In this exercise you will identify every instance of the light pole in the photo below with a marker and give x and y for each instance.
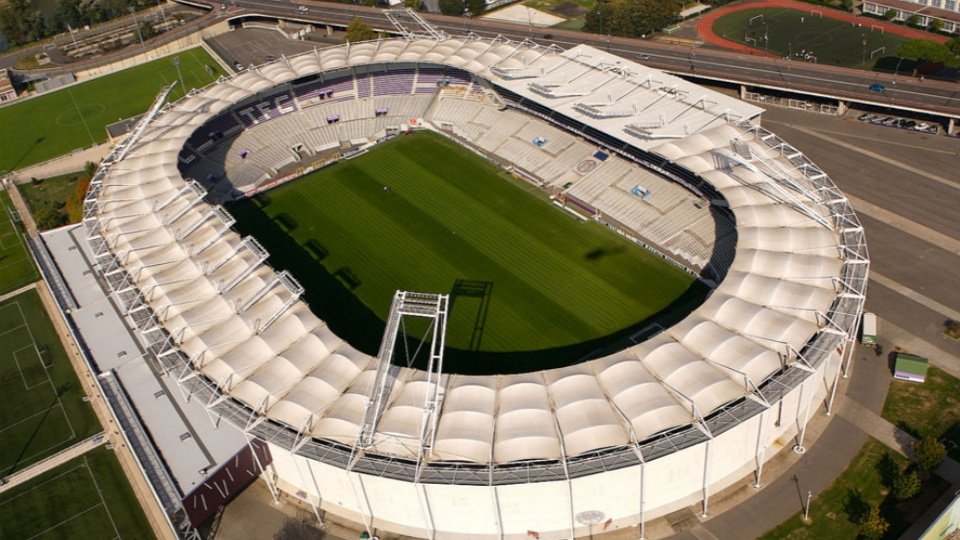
(162, 14)
(136, 24)
(176, 63)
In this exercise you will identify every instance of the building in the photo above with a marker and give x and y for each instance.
(7, 91)
(945, 11)
(910, 367)
(618, 440)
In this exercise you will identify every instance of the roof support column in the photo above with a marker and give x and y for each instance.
(833, 387)
(803, 414)
(316, 487)
(363, 503)
(268, 474)
(425, 510)
(496, 499)
(761, 448)
(706, 478)
(643, 525)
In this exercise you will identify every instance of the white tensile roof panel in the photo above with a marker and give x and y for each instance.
(264, 347)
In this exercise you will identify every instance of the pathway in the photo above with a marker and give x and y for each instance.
(11, 294)
(52, 462)
(69, 163)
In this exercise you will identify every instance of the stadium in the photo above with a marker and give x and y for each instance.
(665, 422)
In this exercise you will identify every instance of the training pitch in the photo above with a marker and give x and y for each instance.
(16, 266)
(788, 32)
(88, 497)
(53, 124)
(531, 286)
(43, 411)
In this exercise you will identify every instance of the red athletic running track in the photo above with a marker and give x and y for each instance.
(705, 25)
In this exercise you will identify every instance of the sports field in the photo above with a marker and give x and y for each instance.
(53, 124)
(531, 287)
(16, 266)
(788, 32)
(88, 497)
(43, 411)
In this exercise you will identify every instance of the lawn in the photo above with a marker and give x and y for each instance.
(47, 198)
(16, 266)
(790, 31)
(930, 408)
(865, 483)
(87, 497)
(531, 287)
(43, 409)
(53, 124)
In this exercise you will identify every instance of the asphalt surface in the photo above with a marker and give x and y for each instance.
(931, 96)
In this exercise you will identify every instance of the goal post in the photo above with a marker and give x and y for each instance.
(755, 19)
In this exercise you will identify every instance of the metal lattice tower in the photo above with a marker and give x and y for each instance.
(411, 25)
(407, 304)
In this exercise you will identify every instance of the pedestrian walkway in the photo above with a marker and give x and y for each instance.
(69, 163)
(13, 293)
(52, 462)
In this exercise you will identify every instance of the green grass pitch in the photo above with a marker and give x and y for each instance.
(56, 123)
(832, 41)
(88, 497)
(43, 411)
(16, 266)
(531, 287)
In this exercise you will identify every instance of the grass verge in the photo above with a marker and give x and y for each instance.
(16, 266)
(866, 482)
(930, 408)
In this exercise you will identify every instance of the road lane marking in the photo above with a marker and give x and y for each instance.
(872, 155)
(926, 301)
(906, 225)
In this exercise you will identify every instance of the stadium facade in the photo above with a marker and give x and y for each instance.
(610, 442)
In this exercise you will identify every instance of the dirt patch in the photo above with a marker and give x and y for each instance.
(568, 10)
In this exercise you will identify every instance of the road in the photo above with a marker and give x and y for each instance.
(932, 97)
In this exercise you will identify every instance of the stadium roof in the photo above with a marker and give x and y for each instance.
(242, 326)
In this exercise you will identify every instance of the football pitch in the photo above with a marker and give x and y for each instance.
(43, 411)
(16, 266)
(87, 497)
(787, 32)
(531, 287)
(53, 124)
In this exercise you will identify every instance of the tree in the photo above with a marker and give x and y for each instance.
(906, 485)
(476, 7)
(369, 3)
(930, 51)
(928, 453)
(74, 206)
(913, 19)
(358, 30)
(890, 14)
(872, 524)
(451, 7)
(89, 169)
(412, 4)
(631, 18)
(935, 25)
(48, 217)
(954, 45)
(847, 5)
(146, 30)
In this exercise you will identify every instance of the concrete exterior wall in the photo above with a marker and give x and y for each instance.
(464, 512)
